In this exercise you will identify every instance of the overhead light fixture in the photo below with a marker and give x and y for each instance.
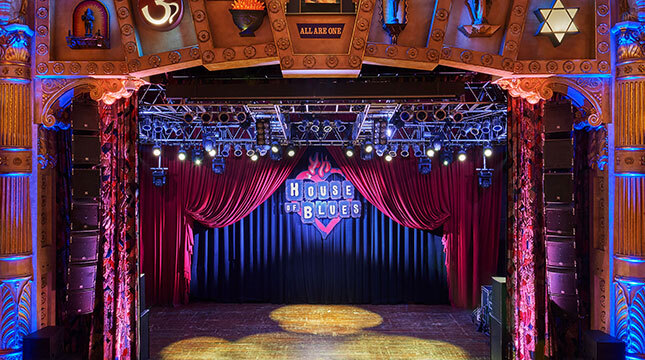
(405, 116)
(446, 157)
(218, 165)
(188, 118)
(226, 149)
(327, 126)
(181, 154)
(368, 147)
(237, 150)
(421, 115)
(255, 157)
(206, 118)
(425, 166)
(212, 152)
(440, 115)
(436, 145)
(275, 147)
(198, 157)
(156, 150)
(223, 117)
(461, 155)
(488, 151)
(159, 176)
(250, 151)
(418, 152)
(349, 151)
(405, 150)
(485, 177)
(388, 157)
(291, 151)
(429, 152)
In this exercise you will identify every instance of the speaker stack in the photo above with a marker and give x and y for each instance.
(559, 210)
(84, 217)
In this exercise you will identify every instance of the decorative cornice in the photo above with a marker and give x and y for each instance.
(531, 89)
(105, 90)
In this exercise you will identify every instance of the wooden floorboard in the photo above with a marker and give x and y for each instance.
(269, 331)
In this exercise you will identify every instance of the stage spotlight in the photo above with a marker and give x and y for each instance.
(349, 151)
(223, 117)
(241, 116)
(476, 127)
(188, 118)
(327, 126)
(461, 155)
(429, 152)
(255, 157)
(418, 152)
(393, 150)
(388, 157)
(425, 166)
(246, 123)
(291, 151)
(181, 154)
(218, 165)
(275, 156)
(250, 151)
(440, 114)
(485, 177)
(315, 125)
(262, 151)
(226, 149)
(446, 157)
(212, 152)
(405, 116)
(421, 115)
(158, 176)
(497, 125)
(275, 147)
(405, 150)
(365, 154)
(156, 150)
(457, 117)
(488, 151)
(436, 145)
(198, 157)
(208, 143)
(380, 150)
(206, 118)
(389, 132)
(368, 147)
(485, 128)
(237, 150)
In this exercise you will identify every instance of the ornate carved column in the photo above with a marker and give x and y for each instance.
(629, 182)
(15, 170)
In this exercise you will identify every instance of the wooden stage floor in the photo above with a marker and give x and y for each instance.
(268, 331)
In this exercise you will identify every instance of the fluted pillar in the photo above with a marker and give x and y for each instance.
(629, 189)
(16, 272)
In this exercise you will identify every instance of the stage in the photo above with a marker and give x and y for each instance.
(269, 331)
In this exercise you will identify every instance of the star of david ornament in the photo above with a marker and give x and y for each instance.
(557, 21)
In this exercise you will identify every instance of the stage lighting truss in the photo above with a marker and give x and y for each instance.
(478, 119)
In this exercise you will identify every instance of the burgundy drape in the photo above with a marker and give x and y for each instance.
(448, 196)
(196, 193)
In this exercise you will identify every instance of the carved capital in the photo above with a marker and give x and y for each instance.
(15, 43)
(531, 89)
(630, 38)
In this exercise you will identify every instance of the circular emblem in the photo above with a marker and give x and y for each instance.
(331, 61)
(355, 61)
(391, 51)
(287, 62)
(92, 68)
(432, 55)
(249, 51)
(412, 52)
(466, 56)
(552, 66)
(309, 61)
(108, 68)
(569, 66)
(161, 15)
(487, 59)
(58, 68)
(74, 68)
(534, 66)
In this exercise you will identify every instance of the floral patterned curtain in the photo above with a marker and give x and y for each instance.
(527, 298)
(114, 330)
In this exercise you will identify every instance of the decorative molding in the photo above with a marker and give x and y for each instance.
(630, 314)
(15, 314)
(594, 91)
(630, 161)
(15, 162)
(105, 90)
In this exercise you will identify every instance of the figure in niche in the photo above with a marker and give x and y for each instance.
(478, 10)
(90, 26)
(88, 20)
(394, 17)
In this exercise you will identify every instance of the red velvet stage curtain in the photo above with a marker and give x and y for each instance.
(448, 196)
(196, 193)
(526, 265)
(114, 328)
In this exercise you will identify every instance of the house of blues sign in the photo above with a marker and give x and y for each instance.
(321, 196)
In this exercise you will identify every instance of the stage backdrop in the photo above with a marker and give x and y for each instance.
(317, 240)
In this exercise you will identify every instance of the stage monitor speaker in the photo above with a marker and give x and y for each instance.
(558, 154)
(560, 253)
(84, 216)
(83, 247)
(567, 303)
(144, 332)
(142, 291)
(86, 183)
(81, 276)
(86, 150)
(560, 220)
(558, 188)
(558, 117)
(85, 116)
(601, 346)
(44, 344)
(80, 301)
(561, 281)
